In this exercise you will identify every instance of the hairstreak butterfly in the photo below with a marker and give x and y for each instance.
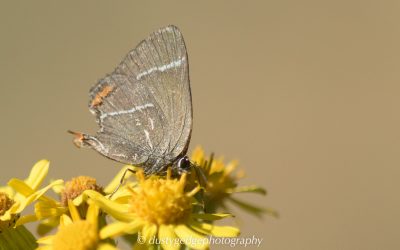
(144, 107)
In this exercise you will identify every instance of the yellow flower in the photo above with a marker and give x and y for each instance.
(222, 182)
(24, 192)
(12, 237)
(50, 210)
(160, 211)
(74, 233)
(14, 199)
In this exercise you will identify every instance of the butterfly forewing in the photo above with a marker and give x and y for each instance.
(144, 107)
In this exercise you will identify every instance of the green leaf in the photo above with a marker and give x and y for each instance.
(184, 247)
(249, 189)
(130, 238)
(17, 238)
(255, 210)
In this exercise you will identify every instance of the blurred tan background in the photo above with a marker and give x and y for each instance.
(304, 93)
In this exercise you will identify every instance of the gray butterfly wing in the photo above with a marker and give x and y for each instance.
(144, 108)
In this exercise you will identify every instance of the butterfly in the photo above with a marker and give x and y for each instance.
(144, 107)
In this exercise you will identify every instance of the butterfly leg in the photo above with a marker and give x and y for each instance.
(121, 181)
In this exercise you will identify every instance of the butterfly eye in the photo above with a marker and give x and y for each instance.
(183, 164)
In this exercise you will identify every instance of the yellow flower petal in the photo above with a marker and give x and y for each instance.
(38, 173)
(73, 211)
(148, 232)
(119, 228)
(40, 193)
(22, 188)
(45, 209)
(117, 179)
(197, 155)
(105, 246)
(58, 189)
(26, 219)
(7, 190)
(168, 238)
(45, 248)
(230, 167)
(116, 210)
(17, 184)
(218, 231)
(211, 216)
(65, 220)
(92, 214)
(79, 200)
(48, 240)
(191, 238)
(123, 195)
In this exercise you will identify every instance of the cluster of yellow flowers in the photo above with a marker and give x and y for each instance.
(156, 212)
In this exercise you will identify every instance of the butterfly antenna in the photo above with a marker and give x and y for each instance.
(201, 177)
(202, 180)
(208, 163)
(121, 181)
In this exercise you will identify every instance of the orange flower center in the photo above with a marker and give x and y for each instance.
(76, 186)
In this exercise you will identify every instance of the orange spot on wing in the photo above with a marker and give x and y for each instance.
(98, 99)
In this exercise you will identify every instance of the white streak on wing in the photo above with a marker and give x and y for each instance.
(99, 144)
(129, 111)
(148, 138)
(162, 68)
(169, 29)
(151, 123)
(120, 155)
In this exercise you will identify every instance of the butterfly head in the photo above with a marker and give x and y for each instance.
(183, 165)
